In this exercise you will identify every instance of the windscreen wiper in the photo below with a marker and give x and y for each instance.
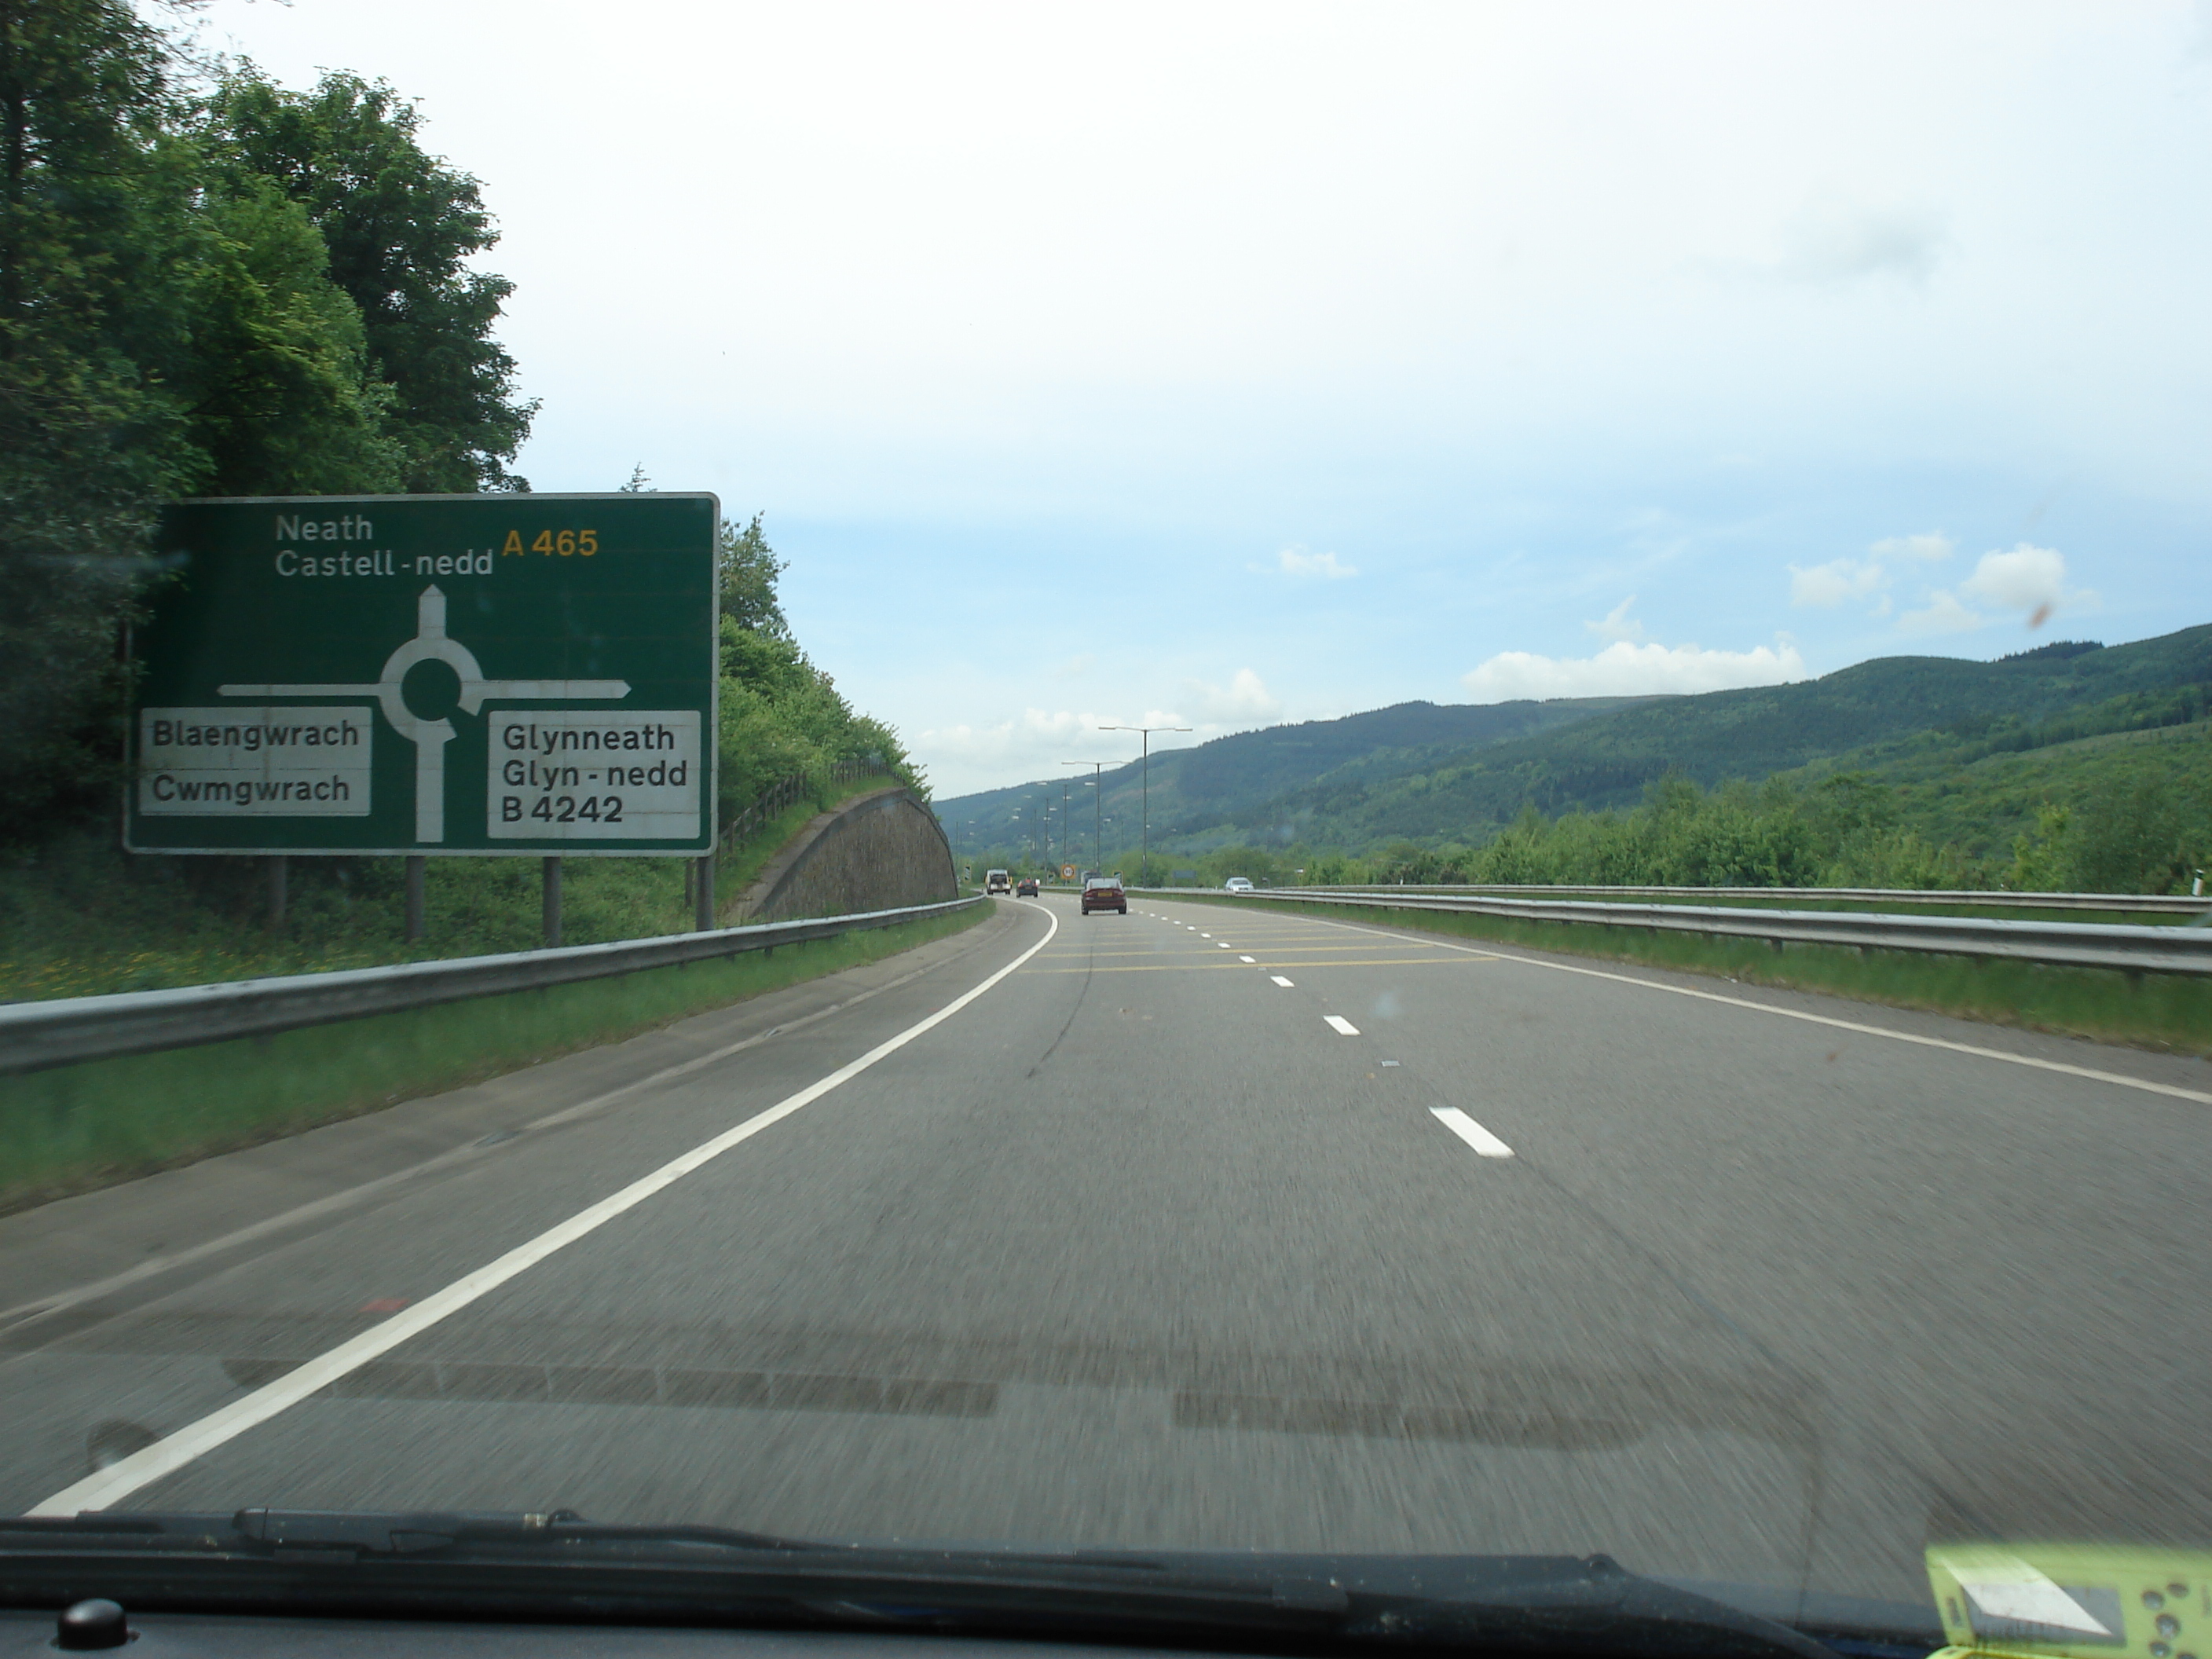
(555, 1565)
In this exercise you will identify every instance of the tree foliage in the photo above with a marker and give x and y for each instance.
(781, 714)
(400, 226)
(91, 195)
(206, 286)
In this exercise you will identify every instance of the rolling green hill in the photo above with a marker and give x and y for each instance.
(1916, 713)
(1221, 782)
(1964, 754)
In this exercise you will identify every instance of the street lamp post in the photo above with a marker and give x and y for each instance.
(1144, 823)
(1095, 773)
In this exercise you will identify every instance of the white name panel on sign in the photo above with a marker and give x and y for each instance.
(594, 775)
(266, 763)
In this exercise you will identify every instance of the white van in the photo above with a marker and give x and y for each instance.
(997, 881)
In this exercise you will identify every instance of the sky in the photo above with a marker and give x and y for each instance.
(1219, 365)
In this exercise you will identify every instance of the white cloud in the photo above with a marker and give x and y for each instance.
(1295, 561)
(1247, 702)
(1931, 545)
(2029, 581)
(1623, 669)
(2029, 578)
(960, 756)
(1618, 624)
(1834, 239)
(1942, 615)
(1837, 582)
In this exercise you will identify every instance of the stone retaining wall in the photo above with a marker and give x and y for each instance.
(874, 852)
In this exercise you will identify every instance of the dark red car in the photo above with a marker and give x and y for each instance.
(1104, 893)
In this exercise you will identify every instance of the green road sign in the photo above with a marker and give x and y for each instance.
(430, 674)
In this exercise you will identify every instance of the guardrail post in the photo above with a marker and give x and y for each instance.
(279, 874)
(418, 871)
(548, 907)
(703, 880)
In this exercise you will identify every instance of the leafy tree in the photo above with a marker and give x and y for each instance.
(400, 225)
(749, 569)
(275, 381)
(90, 197)
(2137, 839)
(780, 714)
(256, 292)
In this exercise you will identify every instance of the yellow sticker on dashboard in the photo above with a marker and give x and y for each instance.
(2094, 1601)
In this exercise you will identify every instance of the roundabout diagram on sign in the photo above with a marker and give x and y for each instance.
(431, 643)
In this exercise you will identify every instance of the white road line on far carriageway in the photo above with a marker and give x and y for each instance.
(188, 1445)
(2120, 1079)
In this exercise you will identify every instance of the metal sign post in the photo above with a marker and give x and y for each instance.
(431, 676)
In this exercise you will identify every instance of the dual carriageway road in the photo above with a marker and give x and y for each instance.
(1208, 1227)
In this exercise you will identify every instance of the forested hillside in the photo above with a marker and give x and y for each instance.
(1223, 781)
(2069, 765)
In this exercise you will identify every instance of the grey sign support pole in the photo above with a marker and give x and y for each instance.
(703, 878)
(549, 906)
(279, 874)
(417, 872)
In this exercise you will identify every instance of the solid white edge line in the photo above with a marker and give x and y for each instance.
(39, 1307)
(1979, 1052)
(1340, 1025)
(1486, 1143)
(165, 1456)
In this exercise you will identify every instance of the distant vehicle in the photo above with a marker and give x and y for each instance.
(997, 881)
(1026, 887)
(1237, 884)
(1104, 893)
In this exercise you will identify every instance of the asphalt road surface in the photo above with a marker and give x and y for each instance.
(1207, 1226)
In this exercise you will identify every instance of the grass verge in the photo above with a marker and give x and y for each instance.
(76, 1128)
(79, 916)
(2171, 1013)
(1786, 898)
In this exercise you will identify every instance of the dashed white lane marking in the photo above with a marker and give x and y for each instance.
(1247, 959)
(1280, 981)
(1486, 1143)
(1221, 945)
(1206, 936)
(195, 1440)
(2118, 1078)
(1340, 1025)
